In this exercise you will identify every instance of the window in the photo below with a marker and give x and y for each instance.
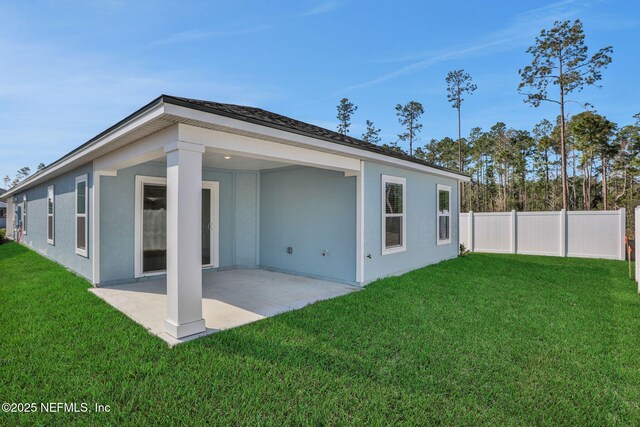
(394, 224)
(24, 214)
(50, 213)
(3, 213)
(81, 215)
(444, 214)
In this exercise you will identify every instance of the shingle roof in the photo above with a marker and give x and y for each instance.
(278, 121)
(247, 114)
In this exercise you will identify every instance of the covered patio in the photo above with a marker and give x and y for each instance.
(230, 298)
(205, 192)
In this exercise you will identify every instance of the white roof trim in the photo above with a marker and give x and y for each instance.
(125, 128)
(212, 118)
(307, 141)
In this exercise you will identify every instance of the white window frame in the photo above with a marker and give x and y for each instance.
(141, 180)
(24, 215)
(51, 196)
(440, 188)
(79, 251)
(393, 180)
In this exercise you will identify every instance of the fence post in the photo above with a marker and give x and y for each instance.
(623, 232)
(470, 231)
(514, 232)
(637, 247)
(563, 232)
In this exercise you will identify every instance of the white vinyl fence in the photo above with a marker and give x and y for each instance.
(637, 247)
(586, 234)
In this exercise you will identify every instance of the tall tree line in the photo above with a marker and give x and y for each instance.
(582, 162)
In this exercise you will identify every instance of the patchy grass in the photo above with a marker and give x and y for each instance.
(484, 339)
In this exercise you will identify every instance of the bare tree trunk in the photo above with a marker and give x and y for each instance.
(547, 198)
(584, 187)
(563, 147)
(459, 137)
(411, 137)
(505, 194)
(589, 170)
(573, 180)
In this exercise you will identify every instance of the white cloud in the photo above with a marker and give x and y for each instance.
(321, 8)
(193, 35)
(53, 98)
(520, 32)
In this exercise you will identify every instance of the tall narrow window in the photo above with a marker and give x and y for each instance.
(50, 215)
(81, 215)
(24, 214)
(394, 224)
(444, 214)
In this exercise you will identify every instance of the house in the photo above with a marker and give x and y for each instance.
(183, 185)
(3, 211)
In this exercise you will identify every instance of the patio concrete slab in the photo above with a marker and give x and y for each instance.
(230, 298)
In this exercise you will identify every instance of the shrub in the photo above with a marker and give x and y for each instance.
(463, 250)
(3, 235)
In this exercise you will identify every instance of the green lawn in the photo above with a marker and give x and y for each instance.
(485, 339)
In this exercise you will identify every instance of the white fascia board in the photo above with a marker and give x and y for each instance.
(146, 149)
(234, 144)
(77, 158)
(307, 141)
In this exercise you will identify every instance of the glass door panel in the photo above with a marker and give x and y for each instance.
(154, 228)
(206, 226)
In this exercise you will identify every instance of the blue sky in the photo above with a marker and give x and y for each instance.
(71, 69)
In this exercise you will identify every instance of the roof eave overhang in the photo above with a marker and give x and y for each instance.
(79, 155)
(169, 105)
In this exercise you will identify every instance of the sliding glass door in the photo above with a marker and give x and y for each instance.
(152, 224)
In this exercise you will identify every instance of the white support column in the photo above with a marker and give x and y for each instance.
(623, 232)
(471, 231)
(184, 239)
(95, 228)
(563, 233)
(95, 222)
(514, 232)
(637, 243)
(10, 217)
(360, 225)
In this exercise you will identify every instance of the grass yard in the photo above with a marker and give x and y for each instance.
(485, 339)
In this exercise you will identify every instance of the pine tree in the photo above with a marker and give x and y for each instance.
(345, 111)
(560, 58)
(409, 116)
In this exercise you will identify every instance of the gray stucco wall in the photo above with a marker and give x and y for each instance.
(246, 218)
(421, 222)
(238, 218)
(63, 250)
(310, 210)
(261, 214)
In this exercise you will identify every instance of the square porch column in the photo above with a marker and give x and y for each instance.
(184, 239)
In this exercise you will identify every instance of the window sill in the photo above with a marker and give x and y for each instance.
(444, 242)
(395, 250)
(82, 253)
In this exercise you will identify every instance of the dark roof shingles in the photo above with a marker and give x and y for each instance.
(270, 119)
